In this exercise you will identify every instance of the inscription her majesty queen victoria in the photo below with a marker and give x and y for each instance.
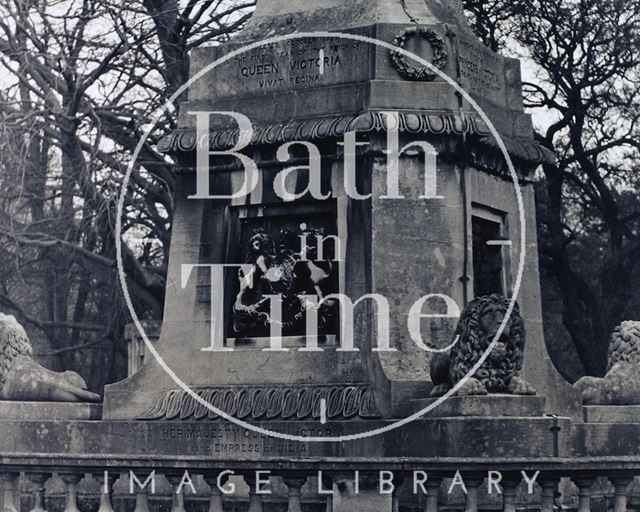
(294, 63)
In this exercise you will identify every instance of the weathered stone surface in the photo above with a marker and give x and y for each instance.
(606, 440)
(23, 378)
(495, 406)
(621, 384)
(401, 249)
(370, 11)
(49, 411)
(136, 443)
(293, 403)
(366, 500)
(611, 414)
(477, 330)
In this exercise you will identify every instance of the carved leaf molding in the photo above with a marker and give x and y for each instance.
(266, 403)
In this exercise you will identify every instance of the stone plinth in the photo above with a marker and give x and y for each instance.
(611, 413)
(201, 442)
(606, 440)
(404, 246)
(49, 411)
(483, 406)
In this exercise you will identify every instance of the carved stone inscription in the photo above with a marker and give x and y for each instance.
(481, 71)
(223, 439)
(294, 63)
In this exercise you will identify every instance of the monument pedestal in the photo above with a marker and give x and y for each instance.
(611, 413)
(49, 411)
(482, 406)
(429, 442)
(399, 245)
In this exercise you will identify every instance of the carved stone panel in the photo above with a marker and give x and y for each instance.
(292, 252)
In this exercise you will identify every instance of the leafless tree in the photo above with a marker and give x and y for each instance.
(588, 82)
(83, 78)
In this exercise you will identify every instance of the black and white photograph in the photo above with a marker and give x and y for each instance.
(319, 255)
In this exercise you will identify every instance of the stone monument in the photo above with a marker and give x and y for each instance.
(449, 236)
(314, 167)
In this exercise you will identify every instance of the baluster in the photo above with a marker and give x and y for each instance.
(584, 493)
(549, 490)
(71, 481)
(329, 503)
(255, 499)
(509, 485)
(7, 480)
(142, 500)
(294, 484)
(255, 502)
(433, 487)
(327, 483)
(215, 498)
(395, 498)
(16, 492)
(472, 485)
(178, 495)
(38, 479)
(106, 481)
(620, 484)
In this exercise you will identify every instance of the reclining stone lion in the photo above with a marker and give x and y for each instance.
(23, 379)
(477, 328)
(621, 384)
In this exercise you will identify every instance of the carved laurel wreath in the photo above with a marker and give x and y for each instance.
(419, 73)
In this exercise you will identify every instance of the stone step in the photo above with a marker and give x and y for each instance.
(481, 406)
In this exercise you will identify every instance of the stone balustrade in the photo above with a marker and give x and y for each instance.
(42, 486)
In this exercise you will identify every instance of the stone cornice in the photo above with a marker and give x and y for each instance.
(443, 124)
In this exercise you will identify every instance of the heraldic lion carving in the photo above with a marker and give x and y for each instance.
(23, 379)
(476, 330)
(621, 385)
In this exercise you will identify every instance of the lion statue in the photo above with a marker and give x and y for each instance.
(621, 384)
(476, 330)
(22, 379)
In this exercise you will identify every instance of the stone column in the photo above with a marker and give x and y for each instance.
(620, 483)
(584, 493)
(178, 493)
(215, 499)
(71, 481)
(38, 479)
(509, 486)
(360, 493)
(433, 488)
(294, 483)
(8, 495)
(472, 483)
(106, 481)
(549, 489)
(255, 499)
(142, 500)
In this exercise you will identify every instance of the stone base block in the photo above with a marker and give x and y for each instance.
(229, 444)
(49, 411)
(480, 406)
(611, 413)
